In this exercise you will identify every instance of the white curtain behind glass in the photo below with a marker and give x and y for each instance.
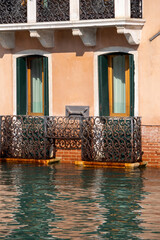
(119, 94)
(36, 85)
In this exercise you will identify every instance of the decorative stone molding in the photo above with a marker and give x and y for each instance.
(45, 37)
(7, 40)
(122, 8)
(133, 35)
(88, 35)
(31, 11)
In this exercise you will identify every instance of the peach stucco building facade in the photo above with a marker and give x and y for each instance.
(73, 66)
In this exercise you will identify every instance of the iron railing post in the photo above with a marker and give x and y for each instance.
(132, 139)
(81, 134)
(45, 136)
(54, 145)
(140, 141)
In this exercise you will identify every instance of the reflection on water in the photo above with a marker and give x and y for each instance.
(68, 202)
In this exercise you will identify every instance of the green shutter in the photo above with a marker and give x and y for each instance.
(21, 86)
(131, 67)
(103, 86)
(46, 89)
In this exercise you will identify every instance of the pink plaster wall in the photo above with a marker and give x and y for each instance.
(149, 65)
(73, 67)
(72, 81)
(6, 83)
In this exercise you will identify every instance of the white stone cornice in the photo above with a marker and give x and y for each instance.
(73, 24)
(45, 37)
(7, 40)
(133, 35)
(88, 35)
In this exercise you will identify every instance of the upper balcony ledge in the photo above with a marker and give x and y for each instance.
(82, 16)
(44, 31)
(98, 23)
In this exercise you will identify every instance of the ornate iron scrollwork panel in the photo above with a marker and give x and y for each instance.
(66, 131)
(13, 11)
(107, 139)
(52, 10)
(96, 9)
(136, 8)
(23, 137)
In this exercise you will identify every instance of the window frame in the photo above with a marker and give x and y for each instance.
(20, 82)
(110, 85)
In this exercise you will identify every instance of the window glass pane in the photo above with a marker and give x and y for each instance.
(36, 86)
(119, 93)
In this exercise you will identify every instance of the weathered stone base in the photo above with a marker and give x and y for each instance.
(111, 164)
(36, 161)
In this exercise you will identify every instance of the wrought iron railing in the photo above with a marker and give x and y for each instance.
(111, 139)
(99, 138)
(52, 11)
(23, 137)
(96, 9)
(136, 8)
(13, 11)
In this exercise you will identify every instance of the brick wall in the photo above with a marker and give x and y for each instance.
(151, 145)
(69, 155)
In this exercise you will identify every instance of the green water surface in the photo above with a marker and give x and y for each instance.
(64, 201)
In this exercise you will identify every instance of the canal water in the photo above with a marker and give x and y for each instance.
(64, 201)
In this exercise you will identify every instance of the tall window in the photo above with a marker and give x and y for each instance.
(116, 85)
(118, 80)
(32, 86)
(35, 76)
